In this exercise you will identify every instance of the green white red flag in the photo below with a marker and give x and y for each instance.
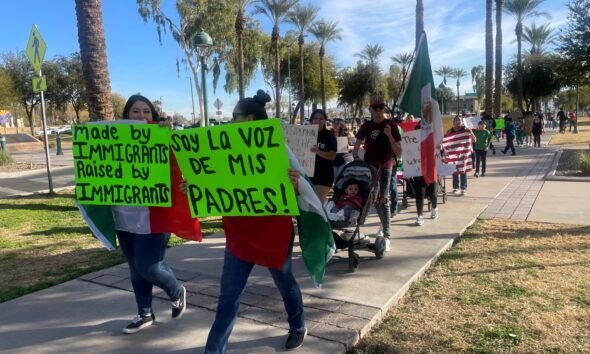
(419, 99)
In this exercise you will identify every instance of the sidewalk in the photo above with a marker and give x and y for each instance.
(87, 314)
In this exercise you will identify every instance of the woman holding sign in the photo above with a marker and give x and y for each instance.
(325, 150)
(144, 250)
(243, 235)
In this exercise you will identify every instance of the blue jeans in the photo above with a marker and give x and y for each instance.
(233, 281)
(145, 257)
(463, 177)
(383, 204)
(393, 194)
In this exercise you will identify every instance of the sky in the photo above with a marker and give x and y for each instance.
(139, 63)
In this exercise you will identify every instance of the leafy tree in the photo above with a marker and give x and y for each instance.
(193, 16)
(118, 102)
(277, 11)
(540, 79)
(324, 32)
(575, 40)
(566, 99)
(20, 71)
(443, 95)
(404, 60)
(371, 55)
(94, 58)
(7, 90)
(72, 88)
(478, 80)
(302, 17)
(521, 10)
(355, 86)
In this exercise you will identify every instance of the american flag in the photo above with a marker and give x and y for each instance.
(457, 150)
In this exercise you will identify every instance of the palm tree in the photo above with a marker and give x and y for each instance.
(324, 32)
(276, 11)
(371, 55)
(477, 77)
(489, 58)
(444, 71)
(240, 25)
(404, 60)
(94, 59)
(458, 73)
(419, 20)
(538, 37)
(498, 74)
(521, 9)
(302, 17)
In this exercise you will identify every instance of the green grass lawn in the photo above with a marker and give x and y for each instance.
(43, 242)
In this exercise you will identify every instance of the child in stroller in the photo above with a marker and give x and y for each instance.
(345, 210)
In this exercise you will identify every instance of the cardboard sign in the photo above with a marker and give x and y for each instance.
(471, 122)
(236, 169)
(121, 164)
(300, 139)
(342, 145)
(411, 153)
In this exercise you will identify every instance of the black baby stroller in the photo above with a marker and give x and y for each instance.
(349, 237)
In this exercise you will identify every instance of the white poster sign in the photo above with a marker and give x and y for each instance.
(411, 153)
(342, 144)
(471, 122)
(300, 139)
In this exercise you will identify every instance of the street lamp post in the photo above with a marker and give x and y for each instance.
(190, 79)
(203, 40)
(289, 72)
(458, 108)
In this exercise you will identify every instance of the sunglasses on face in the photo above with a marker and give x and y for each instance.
(379, 106)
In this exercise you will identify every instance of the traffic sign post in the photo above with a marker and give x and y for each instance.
(36, 48)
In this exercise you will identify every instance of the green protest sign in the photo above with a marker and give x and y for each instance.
(122, 164)
(236, 169)
(500, 123)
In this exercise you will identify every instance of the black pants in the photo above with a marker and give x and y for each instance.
(480, 158)
(420, 190)
(537, 139)
(509, 145)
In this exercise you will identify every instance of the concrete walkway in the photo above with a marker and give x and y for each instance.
(87, 314)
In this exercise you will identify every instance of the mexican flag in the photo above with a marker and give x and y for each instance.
(144, 220)
(264, 240)
(419, 99)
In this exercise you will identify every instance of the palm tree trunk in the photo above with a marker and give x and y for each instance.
(323, 86)
(240, 34)
(419, 20)
(519, 84)
(489, 58)
(94, 59)
(458, 108)
(275, 39)
(498, 76)
(301, 79)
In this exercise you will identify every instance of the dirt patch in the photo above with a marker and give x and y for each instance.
(507, 287)
(568, 163)
(583, 136)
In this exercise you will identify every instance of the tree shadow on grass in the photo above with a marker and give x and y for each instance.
(31, 207)
(60, 230)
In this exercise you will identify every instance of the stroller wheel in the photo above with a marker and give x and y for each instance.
(379, 246)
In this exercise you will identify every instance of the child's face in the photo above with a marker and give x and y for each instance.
(352, 190)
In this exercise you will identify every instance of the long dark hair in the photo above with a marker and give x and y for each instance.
(135, 98)
(254, 105)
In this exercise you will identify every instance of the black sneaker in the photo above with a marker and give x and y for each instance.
(179, 306)
(138, 323)
(295, 339)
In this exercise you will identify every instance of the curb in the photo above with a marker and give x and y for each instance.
(31, 172)
(43, 191)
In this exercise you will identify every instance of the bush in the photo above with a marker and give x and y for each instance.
(5, 158)
(584, 162)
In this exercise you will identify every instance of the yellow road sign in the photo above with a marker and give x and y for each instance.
(39, 84)
(36, 48)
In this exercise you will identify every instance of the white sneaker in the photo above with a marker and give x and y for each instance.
(420, 220)
(455, 191)
(434, 213)
(387, 245)
(380, 232)
(463, 191)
